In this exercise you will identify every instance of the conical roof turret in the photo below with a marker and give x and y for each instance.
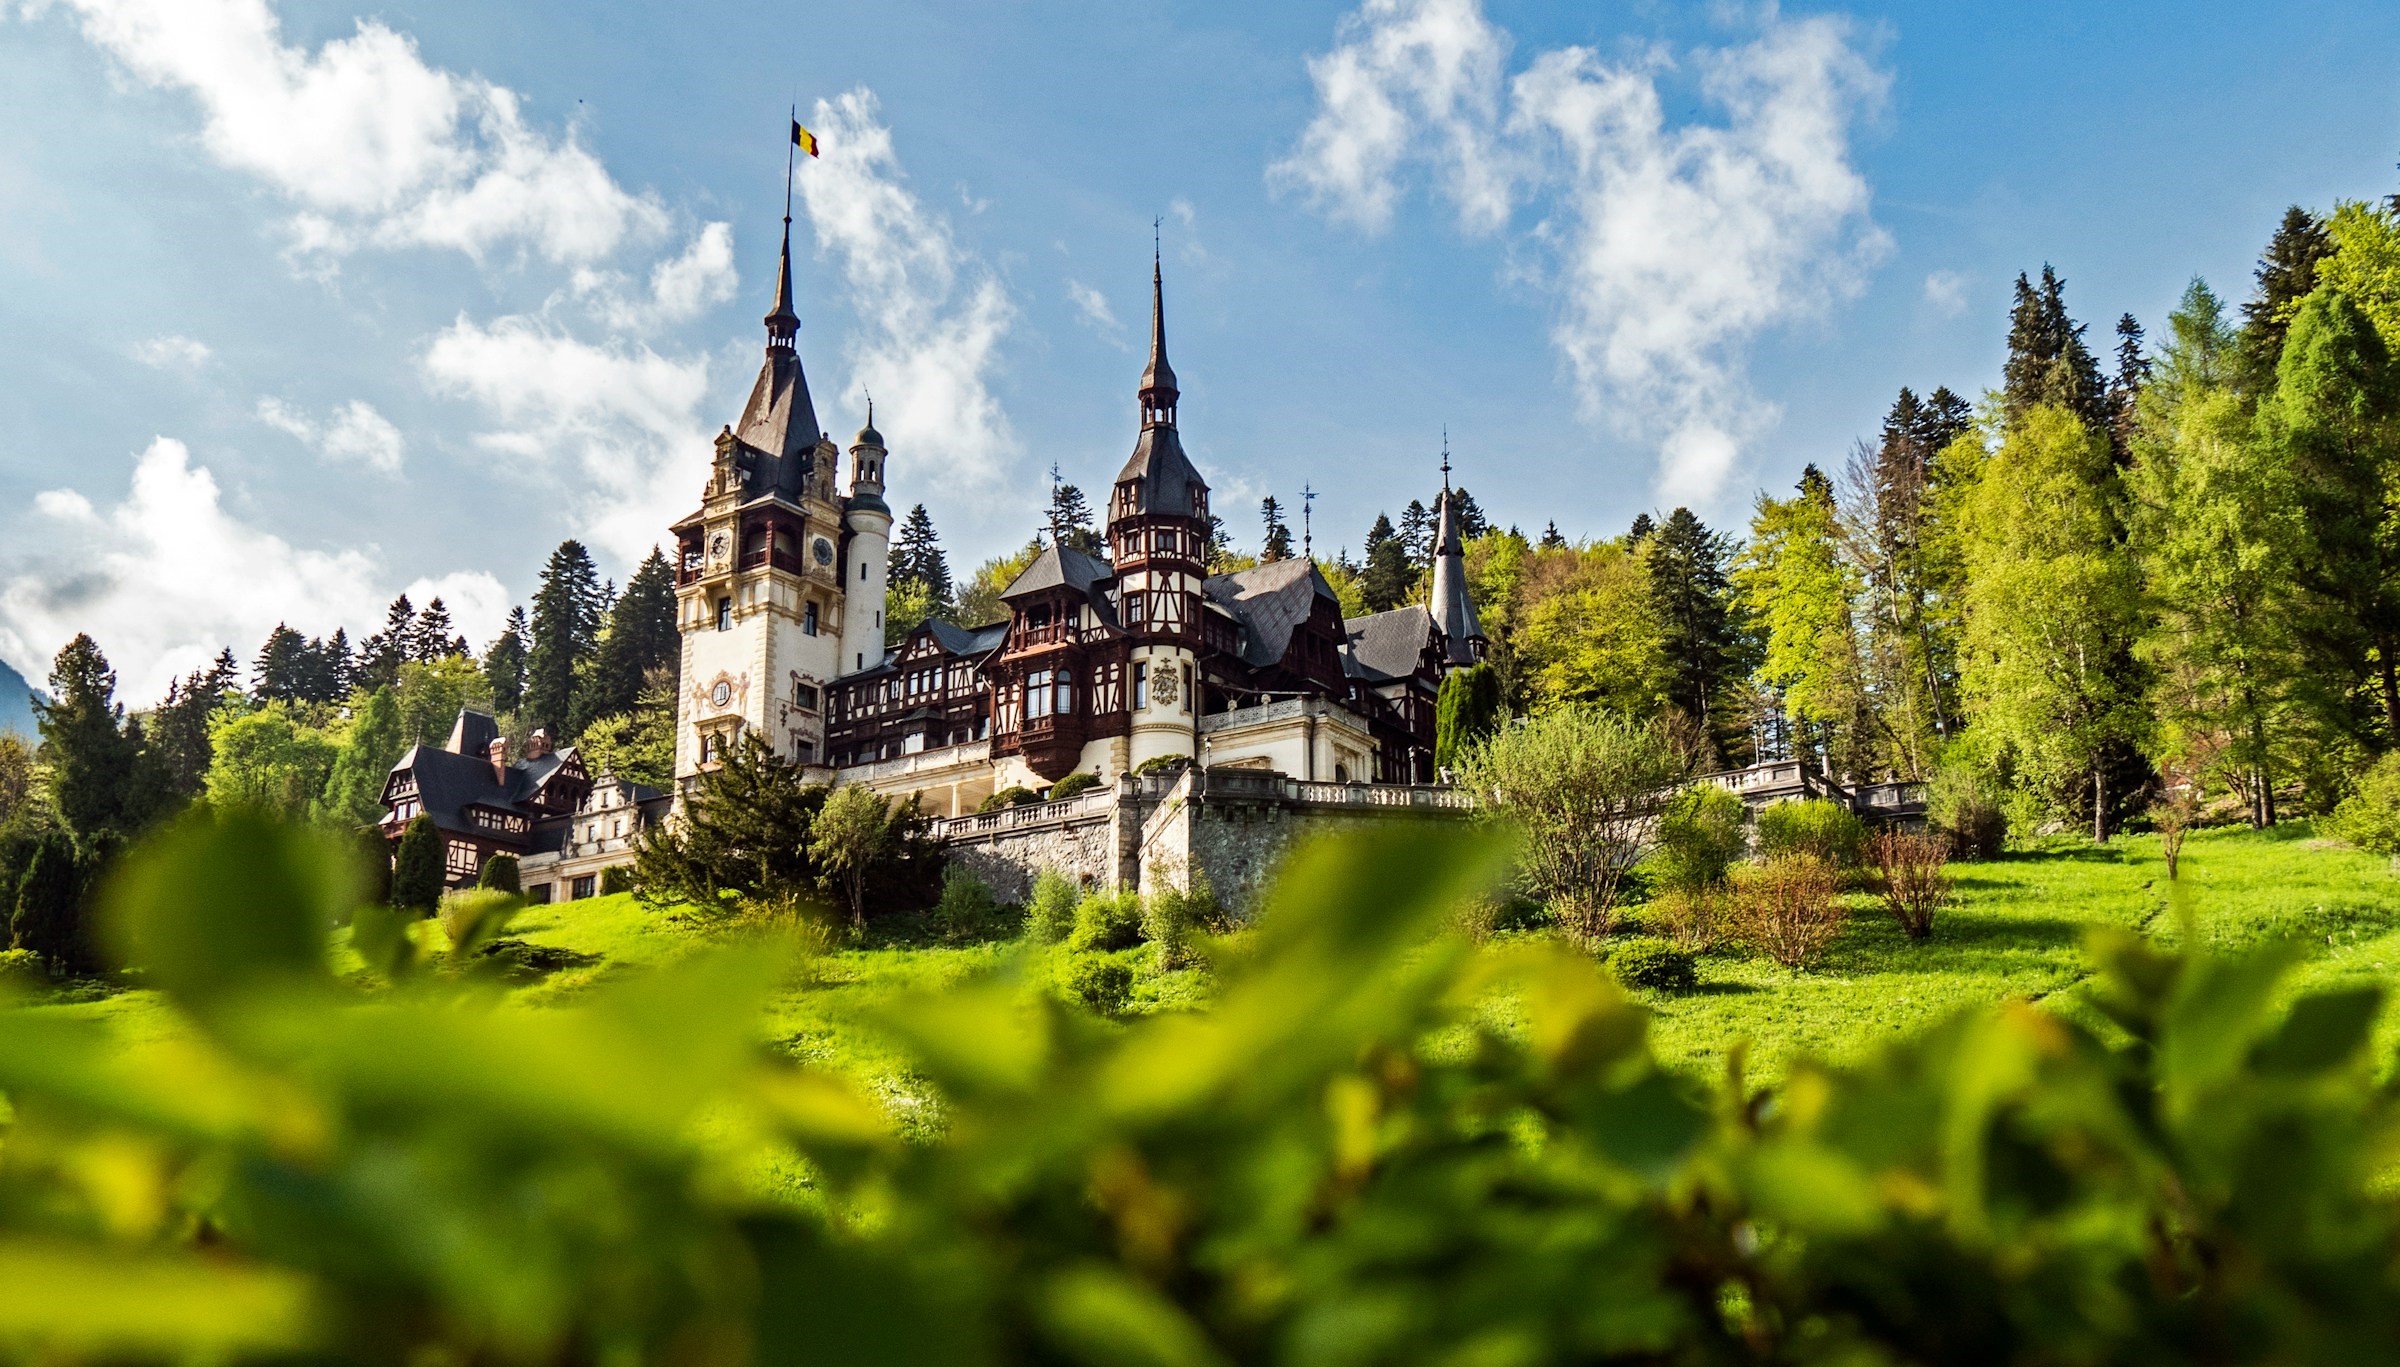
(1158, 392)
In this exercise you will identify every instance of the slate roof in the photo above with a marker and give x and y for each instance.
(1270, 601)
(1162, 475)
(960, 640)
(1388, 646)
(1452, 607)
(449, 781)
(1056, 567)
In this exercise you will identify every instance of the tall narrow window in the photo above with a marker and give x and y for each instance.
(1037, 694)
(808, 619)
(724, 614)
(1065, 692)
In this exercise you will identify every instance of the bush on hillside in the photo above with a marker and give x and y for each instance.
(2370, 817)
(1654, 965)
(1081, 781)
(968, 912)
(1819, 827)
(1107, 920)
(499, 874)
(1008, 797)
(48, 917)
(1100, 981)
(1785, 908)
(1050, 911)
(22, 970)
(616, 878)
(1910, 877)
(375, 859)
(1700, 835)
(1175, 916)
(474, 917)
(1468, 708)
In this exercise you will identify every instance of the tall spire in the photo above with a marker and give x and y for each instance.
(1453, 608)
(1157, 393)
(784, 323)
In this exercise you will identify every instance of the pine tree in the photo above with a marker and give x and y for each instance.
(417, 875)
(280, 673)
(1416, 533)
(93, 761)
(1388, 575)
(2287, 274)
(1641, 529)
(1278, 543)
(335, 666)
(566, 628)
(46, 913)
(504, 664)
(1694, 596)
(641, 637)
(917, 558)
(2047, 360)
(1071, 521)
(179, 728)
(1467, 709)
(1552, 539)
(2125, 389)
(432, 637)
(381, 655)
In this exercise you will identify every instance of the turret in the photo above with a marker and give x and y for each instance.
(1453, 608)
(866, 563)
(1158, 531)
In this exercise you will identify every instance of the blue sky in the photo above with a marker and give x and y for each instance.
(302, 303)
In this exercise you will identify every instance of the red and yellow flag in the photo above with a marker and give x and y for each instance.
(803, 139)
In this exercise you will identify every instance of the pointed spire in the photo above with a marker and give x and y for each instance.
(784, 323)
(1157, 393)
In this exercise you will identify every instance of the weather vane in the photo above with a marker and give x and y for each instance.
(1308, 507)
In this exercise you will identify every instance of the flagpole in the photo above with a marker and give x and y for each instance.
(790, 153)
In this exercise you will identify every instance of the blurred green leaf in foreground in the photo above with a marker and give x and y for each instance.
(1346, 1160)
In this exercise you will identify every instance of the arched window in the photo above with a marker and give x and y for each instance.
(1064, 691)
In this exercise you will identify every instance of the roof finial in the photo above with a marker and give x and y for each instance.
(1157, 394)
(1445, 458)
(784, 322)
(1308, 506)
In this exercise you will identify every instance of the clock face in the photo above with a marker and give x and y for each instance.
(823, 550)
(721, 694)
(717, 545)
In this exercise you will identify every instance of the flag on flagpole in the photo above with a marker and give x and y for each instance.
(803, 139)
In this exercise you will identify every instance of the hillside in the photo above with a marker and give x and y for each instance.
(16, 703)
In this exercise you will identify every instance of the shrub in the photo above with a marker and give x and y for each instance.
(1050, 912)
(417, 867)
(22, 969)
(1008, 797)
(2174, 814)
(48, 918)
(1695, 919)
(375, 859)
(2370, 817)
(1163, 764)
(1580, 784)
(1102, 982)
(616, 878)
(1467, 709)
(1655, 965)
(1910, 878)
(1081, 781)
(1963, 804)
(1817, 826)
(1169, 922)
(1700, 836)
(500, 875)
(1785, 907)
(1107, 920)
(473, 917)
(968, 911)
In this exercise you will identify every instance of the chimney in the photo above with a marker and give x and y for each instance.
(537, 745)
(498, 753)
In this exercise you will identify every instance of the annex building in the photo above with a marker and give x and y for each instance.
(1107, 666)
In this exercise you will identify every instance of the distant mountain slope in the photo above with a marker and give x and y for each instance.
(16, 703)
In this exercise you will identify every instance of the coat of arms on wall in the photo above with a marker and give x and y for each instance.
(1165, 681)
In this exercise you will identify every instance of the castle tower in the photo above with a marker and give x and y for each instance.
(1158, 532)
(758, 578)
(866, 561)
(1452, 607)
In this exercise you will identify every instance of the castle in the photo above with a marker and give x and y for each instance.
(1103, 666)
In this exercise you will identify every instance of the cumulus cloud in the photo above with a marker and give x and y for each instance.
(167, 577)
(613, 421)
(356, 433)
(1946, 293)
(368, 142)
(171, 352)
(931, 315)
(1093, 307)
(681, 287)
(1667, 247)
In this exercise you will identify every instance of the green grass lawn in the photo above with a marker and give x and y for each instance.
(2015, 930)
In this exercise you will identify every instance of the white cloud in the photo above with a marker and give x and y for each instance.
(624, 420)
(1666, 247)
(368, 142)
(681, 287)
(1095, 310)
(357, 433)
(171, 352)
(167, 578)
(931, 315)
(1946, 293)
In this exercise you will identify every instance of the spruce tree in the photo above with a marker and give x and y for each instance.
(1693, 592)
(417, 875)
(1471, 521)
(2048, 362)
(2287, 273)
(1642, 527)
(1278, 543)
(1071, 521)
(504, 664)
(1416, 533)
(46, 916)
(179, 728)
(381, 655)
(2125, 389)
(334, 667)
(280, 673)
(641, 638)
(1552, 538)
(565, 629)
(1388, 574)
(1467, 709)
(432, 637)
(93, 762)
(917, 558)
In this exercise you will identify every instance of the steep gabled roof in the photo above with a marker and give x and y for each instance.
(1270, 601)
(968, 641)
(1058, 567)
(1453, 608)
(1388, 646)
